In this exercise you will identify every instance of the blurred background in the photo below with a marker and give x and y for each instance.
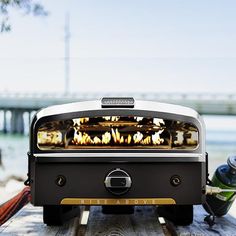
(180, 52)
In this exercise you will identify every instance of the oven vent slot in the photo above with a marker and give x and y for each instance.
(117, 102)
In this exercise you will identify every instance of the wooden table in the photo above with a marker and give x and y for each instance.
(143, 222)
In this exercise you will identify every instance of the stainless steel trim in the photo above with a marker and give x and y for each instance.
(172, 155)
(139, 105)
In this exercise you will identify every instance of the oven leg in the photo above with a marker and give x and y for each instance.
(85, 215)
(178, 214)
(57, 215)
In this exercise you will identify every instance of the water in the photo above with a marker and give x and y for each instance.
(220, 139)
(218, 154)
(14, 156)
(220, 142)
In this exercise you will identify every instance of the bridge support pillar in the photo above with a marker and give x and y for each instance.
(17, 122)
(29, 118)
(4, 121)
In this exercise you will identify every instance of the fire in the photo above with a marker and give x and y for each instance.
(193, 138)
(80, 138)
(115, 132)
(137, 137)
(179, 138)
(156, 139)
(116, 136)
(106, 138)
(158, 121)
(147, 140)
(97, 140)
(80, 121)
(84, 139)
(129, 139)
(106, 118)
(138, 118)
(115, 118)
(49, 137)
(112, 118)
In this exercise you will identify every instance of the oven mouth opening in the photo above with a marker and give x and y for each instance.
(117, 133)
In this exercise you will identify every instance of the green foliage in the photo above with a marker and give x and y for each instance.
(25, 6)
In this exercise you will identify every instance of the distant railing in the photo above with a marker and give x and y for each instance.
(18, 107)
(167, 95)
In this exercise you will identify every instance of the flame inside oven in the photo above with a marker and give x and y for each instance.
(114, 136)
(116, 131)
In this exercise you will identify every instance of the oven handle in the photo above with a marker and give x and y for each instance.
(120, 182)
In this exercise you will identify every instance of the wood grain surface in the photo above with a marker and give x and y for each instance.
(143, 222)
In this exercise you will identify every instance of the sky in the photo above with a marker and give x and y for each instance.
(183, 46)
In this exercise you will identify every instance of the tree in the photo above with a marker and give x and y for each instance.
(25, 6)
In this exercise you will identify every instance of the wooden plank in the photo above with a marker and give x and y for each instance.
(29, 221)
(224, 225)
(142, 222)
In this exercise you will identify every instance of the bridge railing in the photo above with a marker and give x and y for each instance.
(15, 106)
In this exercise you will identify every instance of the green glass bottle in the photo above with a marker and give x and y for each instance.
(224, 178)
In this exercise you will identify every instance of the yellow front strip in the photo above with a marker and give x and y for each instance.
(118, 201)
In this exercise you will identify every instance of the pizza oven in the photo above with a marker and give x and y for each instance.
(117, 151)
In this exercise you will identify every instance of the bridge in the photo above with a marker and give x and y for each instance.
(16, 110)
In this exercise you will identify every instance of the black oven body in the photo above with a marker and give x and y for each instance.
(60, 179)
